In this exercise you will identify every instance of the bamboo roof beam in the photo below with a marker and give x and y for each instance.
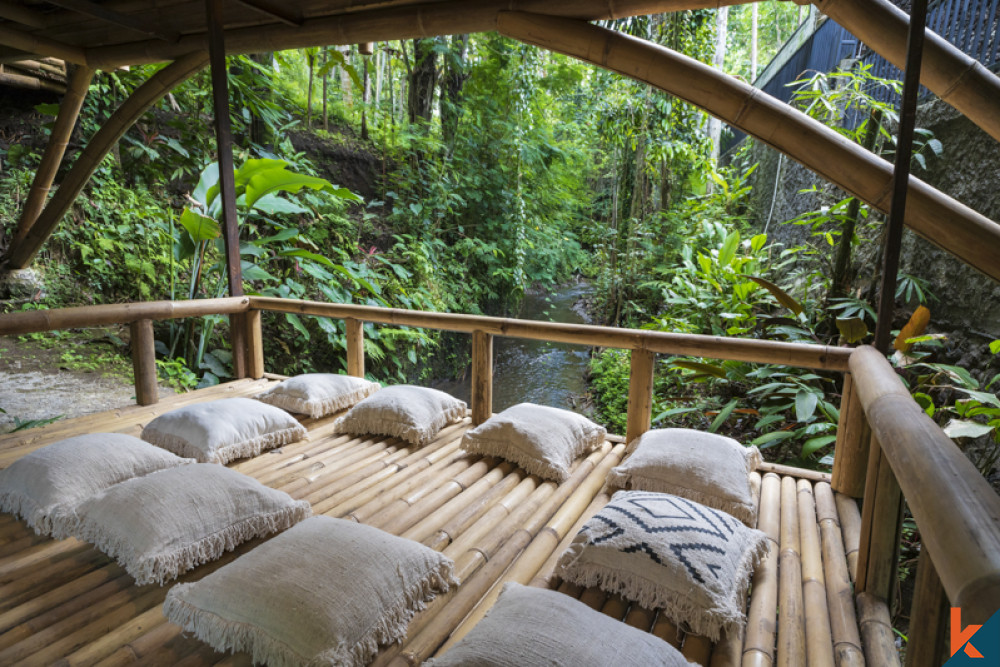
(947, 223)
(30, 82)
(958, 79)
(119, 19)
(31, 44)
(274, 11)
(158, 85)
(403, 22)
(19, 13)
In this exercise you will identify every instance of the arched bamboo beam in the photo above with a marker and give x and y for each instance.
(937, 217)
(379, 25)
(955, 77)
(158, 85)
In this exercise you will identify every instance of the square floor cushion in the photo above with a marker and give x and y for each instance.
(670, 553)
(544, 441)
(326, 592)
(318, 394)
(411, 413)
(224, 430)
(537, 626)
(710, 469)
(166, 523)
(45, 487)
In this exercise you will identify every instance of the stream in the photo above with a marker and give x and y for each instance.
(536, 371)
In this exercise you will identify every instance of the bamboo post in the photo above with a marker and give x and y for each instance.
(850, 458)
(928, 617)
(940, 219)
(355, 347)
(145, 96)
(238, 340)
(69, 111)
(144, 362)
(758, 646)
(255, 345)
(791, 621)
(881, 521)
(819, 638)
(640, 394)
(482, 377)
(876, 631)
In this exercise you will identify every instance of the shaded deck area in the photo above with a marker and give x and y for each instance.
(65, 602)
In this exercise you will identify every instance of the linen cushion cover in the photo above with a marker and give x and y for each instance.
(318, 394)
(164, 524)
(537, 626)
(711, 469)
(327, 591)
(223, 430)
(46, 486)
(544, 441)
(414, 414)
(668, 552)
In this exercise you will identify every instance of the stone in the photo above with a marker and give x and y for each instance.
(21, 284)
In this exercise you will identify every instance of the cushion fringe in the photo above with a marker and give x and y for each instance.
(225, 635)
(227, 453)
(165, 567)
(374, 424)
(747, 513)
(315, 408)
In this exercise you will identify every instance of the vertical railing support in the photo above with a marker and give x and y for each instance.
(144, 362)
(850, 458)
(238, 340)
(881, 521)
(928, 617)
(640, 394)
(255, 344)
(482, 377)
(355, 347)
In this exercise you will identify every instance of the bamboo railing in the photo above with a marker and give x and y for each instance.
(887, 448)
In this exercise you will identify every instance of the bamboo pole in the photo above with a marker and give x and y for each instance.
(150, 92)
(839, 593)
(40, 44)
(482, 377)
(850, 458)
(255, 345)
(952, 75)
(615, 606)
(511, 490)
(728, 651)
(131, 629)
(355, 347)
(876, 631)
(881, 522)
(26, 82)
(758, 646)
(928, 618)
(850, 526)
(665, 629)
(968, 235)
(792, 471)
(69, 111)
(697, 649)
(147, 391)
(718, 347)
(595, 598)
(394, 511)
(640, 394)
(819, 640)
(791, 650)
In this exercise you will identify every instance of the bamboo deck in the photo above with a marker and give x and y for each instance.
(64, 602)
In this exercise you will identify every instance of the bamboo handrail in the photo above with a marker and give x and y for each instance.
(957, 511)
(940, 219)
(716, 347)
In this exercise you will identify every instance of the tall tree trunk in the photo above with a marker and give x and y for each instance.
(326, 90)
(259, 132)
(422, 80)
(451, 89)
(380, 58)
(753, 41)
(346, 85)
(311, 60)
(718, 60)
(365, 95)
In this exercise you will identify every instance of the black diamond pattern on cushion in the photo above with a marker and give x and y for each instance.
(669, 525)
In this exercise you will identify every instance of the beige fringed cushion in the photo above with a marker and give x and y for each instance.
(326, 592)
(45, 487)
(169, 522)
(224, 430)
(711, 469)
(414, 414)
(318, 394)
(667, 552)
(536, 626)
(544, 441)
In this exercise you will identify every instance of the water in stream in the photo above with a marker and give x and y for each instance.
(536, 371)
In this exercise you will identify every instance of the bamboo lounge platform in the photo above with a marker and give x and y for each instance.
(65, 602)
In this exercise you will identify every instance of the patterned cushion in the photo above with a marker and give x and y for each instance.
(536, 626)
(166, 523)
(668, 552)
(415, 414)
(224, 430)
(46, 486)
(326, 592)
(318, 394)
(544, 441)
(710, 469)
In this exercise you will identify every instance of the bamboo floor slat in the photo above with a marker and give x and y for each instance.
(66, 603)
